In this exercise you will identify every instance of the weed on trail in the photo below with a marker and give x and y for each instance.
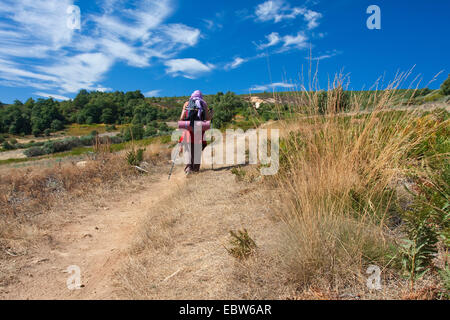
(242, 244)
(135, 157)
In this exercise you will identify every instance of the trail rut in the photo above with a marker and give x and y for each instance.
(96, 241)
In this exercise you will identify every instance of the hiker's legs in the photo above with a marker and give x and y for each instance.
(196, 155)
(199, 149)
(187, 157)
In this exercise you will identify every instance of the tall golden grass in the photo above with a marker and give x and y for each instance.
(339, 173)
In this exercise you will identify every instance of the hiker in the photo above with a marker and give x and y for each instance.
(195, 111)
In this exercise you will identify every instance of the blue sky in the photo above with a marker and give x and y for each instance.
(172, 47)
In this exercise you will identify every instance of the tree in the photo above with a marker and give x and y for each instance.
(81, 99)
(107, 116)
(225, 106)
(15, 119)
(44, 112)
(150, 131)
(163, 127)
(445, 86)
(57, 125)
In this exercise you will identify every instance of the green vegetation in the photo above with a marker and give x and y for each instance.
(104, 111)
(47, 115)
(61, 145)
(445, 87)
(135, 156)
(242, 244)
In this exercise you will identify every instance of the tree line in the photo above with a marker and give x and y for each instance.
(43, 116)
(48, 115)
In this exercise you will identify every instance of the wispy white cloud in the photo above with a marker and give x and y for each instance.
(179, 33)
(42, 26)
(279, 10)
(272, 39)
(312, 18)
(80, 71)
(152, 93)
(288, 42)
(299, 41)
(51, 95)
(272, 86)
(324, 56)
(189, 68)
(235, 63)
(67, 60)
(102, 89)
(276, 10)
(216, 23)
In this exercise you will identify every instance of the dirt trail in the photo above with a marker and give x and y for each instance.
(180, 252)
(96, 240)
(181, 226)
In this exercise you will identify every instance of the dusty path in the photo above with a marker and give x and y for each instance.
(164, 241)
(96, 240)
(180, 251)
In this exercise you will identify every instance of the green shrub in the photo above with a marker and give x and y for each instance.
(239, 173)
(115, 139)
(427, 221)
(135, 157)
(57, 125)
(242, 244)
(433, 96)
(133, 132)
(111, 128)
(87, 140)
(165, 139)
(61, 145)
(445, 87)
(150, 131)
(445, 278)
(34, 152)
(7, 146)
(163, 127)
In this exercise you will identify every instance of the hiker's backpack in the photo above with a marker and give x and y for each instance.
(195, 111)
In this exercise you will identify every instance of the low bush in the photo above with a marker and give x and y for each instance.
(242, 244)
(445, 87)
(133, 132)
(34, 152)
(87, 140)
(135, 156)
(7, 146)
(150, 131)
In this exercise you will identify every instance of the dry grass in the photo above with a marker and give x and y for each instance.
(180, 252)
(28, 194)
(336, 178)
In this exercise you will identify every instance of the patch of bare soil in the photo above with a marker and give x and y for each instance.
(180, 251)
(95, 237)
(13, 154)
